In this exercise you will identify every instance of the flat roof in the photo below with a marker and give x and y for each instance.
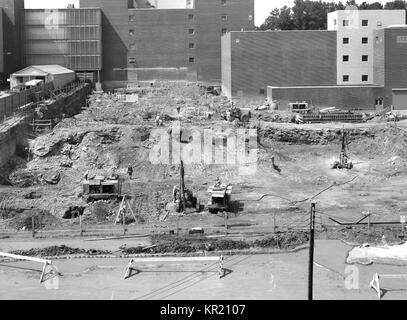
(326, 87)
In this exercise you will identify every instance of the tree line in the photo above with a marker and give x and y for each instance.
(312, 15)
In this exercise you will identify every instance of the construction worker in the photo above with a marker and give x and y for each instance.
(158, 121)
(130, 171)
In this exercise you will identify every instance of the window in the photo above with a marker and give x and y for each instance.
(335, 22)
(131, 32)
(191, 31)
(224, 30)
(191, 45)
(132, 60)
(223, 2)
(365, 78)
(191, 59)
(346, 23)
(224, 17)
(379, 23)
(250, 17)
(365, 23)
(345, 40)
(345, 78)
(132, 17)
(365, 58)
(345, 58)
(365, 40)
(191, 17)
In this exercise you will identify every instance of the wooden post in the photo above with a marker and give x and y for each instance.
(80, 225)
(274, 223)
(226, 221)
(311, 254)
(368, 221)
(124, 221)
(33, 226)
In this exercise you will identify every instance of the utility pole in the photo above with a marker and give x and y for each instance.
(311, 254)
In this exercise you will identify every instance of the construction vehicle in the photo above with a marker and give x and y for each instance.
(183, 197)
(241, 114)
(344, 162)
(299, 107)
(220, 197)
(102, 188)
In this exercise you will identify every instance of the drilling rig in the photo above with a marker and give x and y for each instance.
(183, 197)
(344, 161)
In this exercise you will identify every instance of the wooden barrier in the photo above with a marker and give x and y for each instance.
(47, 263)
(375, 283)
(130, 268)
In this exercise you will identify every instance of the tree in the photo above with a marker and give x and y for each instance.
(304, 15)
(371, 6)
(279, 19)
(397, 4)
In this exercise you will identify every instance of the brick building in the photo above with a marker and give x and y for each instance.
(355, 64)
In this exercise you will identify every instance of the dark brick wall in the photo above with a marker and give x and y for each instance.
(209, 31)
(281, 58)
(396, 60)
(12, 34)
(362, 98)
(161, 38)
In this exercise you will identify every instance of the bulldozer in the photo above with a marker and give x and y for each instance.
(183, 197)
(220, 199)
(344, 161)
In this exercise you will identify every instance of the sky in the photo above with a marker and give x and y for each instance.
(262, 7)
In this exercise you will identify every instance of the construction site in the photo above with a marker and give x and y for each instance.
(69, 192)
(219, 169)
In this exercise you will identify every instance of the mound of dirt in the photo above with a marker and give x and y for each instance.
(100, 211)
(59, 251)
(21, 219)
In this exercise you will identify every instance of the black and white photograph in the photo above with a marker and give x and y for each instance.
(203, 154)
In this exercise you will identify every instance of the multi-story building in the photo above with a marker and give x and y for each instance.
(171, 40)
(71, 38)
(359, 43)
(357, 63)
(121, 41)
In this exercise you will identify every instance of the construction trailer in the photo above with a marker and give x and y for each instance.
(102, 188)
(55, 74)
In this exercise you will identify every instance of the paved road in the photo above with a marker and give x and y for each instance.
(260, 277)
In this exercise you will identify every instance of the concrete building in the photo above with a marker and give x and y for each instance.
(71, 38)
(58, 75)
(121, 41)
(359, 43)
(351, 69)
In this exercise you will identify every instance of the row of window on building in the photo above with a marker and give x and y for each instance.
(346, 58)
(365, 23)
(365, 40)
(346, 78)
